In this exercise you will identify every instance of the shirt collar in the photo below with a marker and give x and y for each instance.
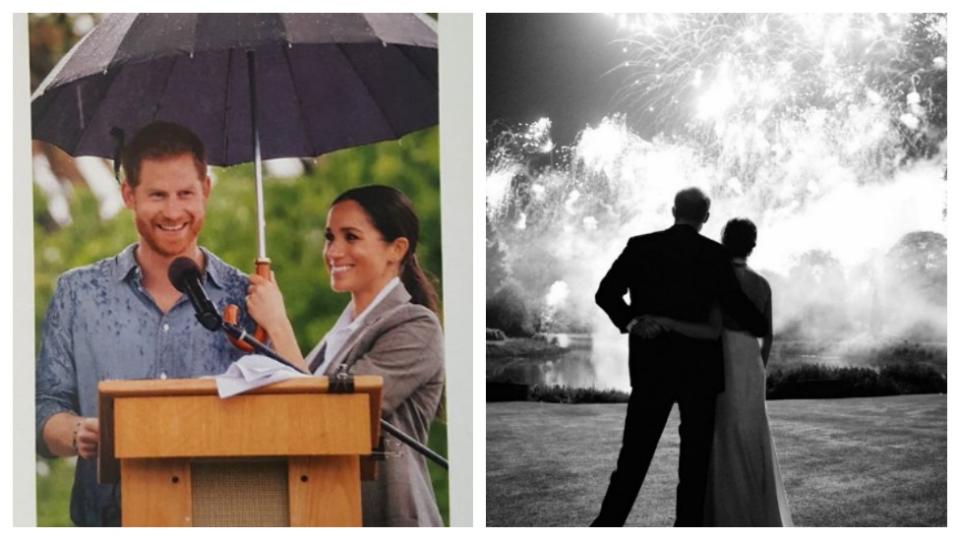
(216, 269)
(358, 320)
(127, 265)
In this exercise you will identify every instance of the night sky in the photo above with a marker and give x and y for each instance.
(551, 65)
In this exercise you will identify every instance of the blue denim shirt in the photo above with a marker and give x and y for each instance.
(102, 324)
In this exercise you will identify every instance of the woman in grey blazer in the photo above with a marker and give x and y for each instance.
(390, 328)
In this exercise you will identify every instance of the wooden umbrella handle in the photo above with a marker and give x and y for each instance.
(231, 313)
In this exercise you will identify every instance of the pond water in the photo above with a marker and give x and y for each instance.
(583, 361)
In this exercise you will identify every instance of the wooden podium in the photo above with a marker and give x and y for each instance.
(284, 454)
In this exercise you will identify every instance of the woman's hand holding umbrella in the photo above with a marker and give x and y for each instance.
(265, 305)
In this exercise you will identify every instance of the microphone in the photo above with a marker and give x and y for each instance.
(184, 274)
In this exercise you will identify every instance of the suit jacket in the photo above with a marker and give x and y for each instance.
(680, 274)
(403, 343)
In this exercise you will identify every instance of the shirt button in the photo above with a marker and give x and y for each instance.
(166, 327)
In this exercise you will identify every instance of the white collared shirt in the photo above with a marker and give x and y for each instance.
(345, 327)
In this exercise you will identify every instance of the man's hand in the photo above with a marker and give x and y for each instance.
(88, 437)
(646, 328)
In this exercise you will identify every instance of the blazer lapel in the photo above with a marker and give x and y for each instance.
(315, 358)
(396, 297)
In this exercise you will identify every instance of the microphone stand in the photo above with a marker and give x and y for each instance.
(240, 334)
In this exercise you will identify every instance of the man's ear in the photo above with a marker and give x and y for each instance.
(127, 193)
(206, 186)
(706, 217)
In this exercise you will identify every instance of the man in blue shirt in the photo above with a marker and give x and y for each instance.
(121, 318)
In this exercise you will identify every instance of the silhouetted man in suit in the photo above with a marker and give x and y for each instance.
(675, 273)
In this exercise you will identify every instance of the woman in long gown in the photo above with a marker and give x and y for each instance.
(744, 486)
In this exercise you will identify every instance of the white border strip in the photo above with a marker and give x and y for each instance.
(24, 466)
(456, 148)
(480, 277)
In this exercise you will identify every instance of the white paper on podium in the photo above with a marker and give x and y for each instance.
(253, 371)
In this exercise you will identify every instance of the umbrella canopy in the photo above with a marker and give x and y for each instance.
(323, 82)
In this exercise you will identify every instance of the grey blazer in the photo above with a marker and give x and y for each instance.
(403, 343)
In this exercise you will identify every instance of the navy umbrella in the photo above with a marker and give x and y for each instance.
(322, 82)
(251, 85)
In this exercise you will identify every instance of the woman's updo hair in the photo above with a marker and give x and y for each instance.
(391, 213)
(739, 237)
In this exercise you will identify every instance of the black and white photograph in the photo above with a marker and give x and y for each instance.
(716, 269)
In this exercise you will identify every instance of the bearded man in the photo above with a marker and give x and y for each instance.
(121, 318)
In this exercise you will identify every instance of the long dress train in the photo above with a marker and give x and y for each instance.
(744, 487)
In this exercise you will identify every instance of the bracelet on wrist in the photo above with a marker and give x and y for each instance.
(76, 429)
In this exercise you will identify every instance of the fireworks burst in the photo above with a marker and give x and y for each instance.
(827, 131)
(708, 74)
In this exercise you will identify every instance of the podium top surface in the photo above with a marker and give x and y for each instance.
(199, 387)
(208, 416)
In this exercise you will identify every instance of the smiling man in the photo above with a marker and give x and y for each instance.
(121, 318)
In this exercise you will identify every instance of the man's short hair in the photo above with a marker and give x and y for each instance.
(691, 204)
(739, 236)
(160, 140)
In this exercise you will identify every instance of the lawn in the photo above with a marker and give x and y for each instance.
(845, 462)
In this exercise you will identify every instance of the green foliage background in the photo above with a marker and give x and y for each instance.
(295, 213)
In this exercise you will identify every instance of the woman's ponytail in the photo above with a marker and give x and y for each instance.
(418, 284)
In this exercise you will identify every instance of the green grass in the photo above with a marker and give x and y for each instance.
(53, 492)
(845, 462)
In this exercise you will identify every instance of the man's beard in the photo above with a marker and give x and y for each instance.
(153, 238)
